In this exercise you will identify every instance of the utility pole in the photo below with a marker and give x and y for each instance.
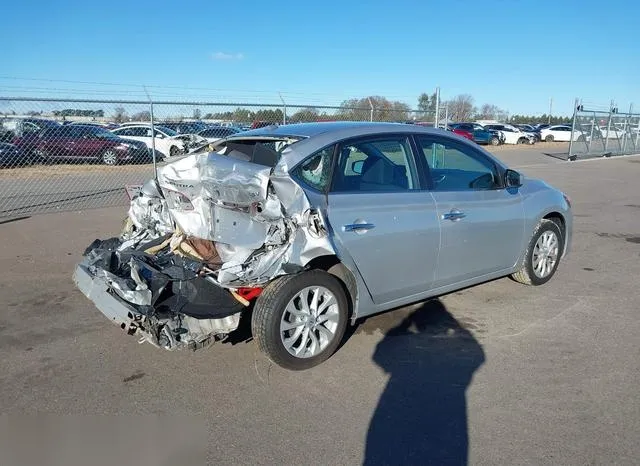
(550, 110)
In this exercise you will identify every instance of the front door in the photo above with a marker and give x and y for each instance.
(481, 223)
(382, 218)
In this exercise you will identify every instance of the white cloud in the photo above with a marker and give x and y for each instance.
(227, 56)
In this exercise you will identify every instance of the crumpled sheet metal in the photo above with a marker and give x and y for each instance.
(258, 217)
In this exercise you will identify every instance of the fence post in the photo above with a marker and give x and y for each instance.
(573, 129)
(637, 134)
(436, 122)
(284, 114)
(446, 114)
(593, 124)
(606, 140)
(626, 126)
(153, 135)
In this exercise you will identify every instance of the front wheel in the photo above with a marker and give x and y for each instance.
(299, 320)
(174, 151)
(542, 256)
(495, 141)
(109, 157)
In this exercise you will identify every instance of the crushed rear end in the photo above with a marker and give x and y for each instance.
(201, 242)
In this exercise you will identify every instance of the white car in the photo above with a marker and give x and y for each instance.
(561, 133)
(613, 132)
(215, 133)
(167, 141)
(513, 135)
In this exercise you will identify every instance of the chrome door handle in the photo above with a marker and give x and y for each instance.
(454, 215)
(358, 227)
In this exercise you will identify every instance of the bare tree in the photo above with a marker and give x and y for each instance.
(461, 108)
(120, 115)
(145, 115)
(491, 112)
(197, 114)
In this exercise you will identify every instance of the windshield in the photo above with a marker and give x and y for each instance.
(167, 131)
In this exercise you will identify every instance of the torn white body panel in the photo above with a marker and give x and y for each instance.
(259, 218)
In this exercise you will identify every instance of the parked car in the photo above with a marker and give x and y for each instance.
(213, 133)
(561, 133)
(302, 224)
(93, 123)
(513, 135)
(185, 127)
(262, 124)
(612, 132)
(77, 143)
(460, 132)
(479, 134)
(23, 132)
(168, 143)
(12, 156)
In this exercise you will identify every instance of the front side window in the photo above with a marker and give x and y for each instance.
(315, 171)
(454, 167)
(375, 165)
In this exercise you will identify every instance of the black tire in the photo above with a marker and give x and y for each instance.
(495, 140)
(523, 141)
(581, 138)
(270, 307)
(174, 151)
(526, 274)
(109, 157)
(549, 138)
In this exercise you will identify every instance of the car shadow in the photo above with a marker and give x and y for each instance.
(421, 417)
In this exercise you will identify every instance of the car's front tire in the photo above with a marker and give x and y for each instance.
(109, 157)
(174, 151)
(495, 141)
(299, 320)
(542, 256)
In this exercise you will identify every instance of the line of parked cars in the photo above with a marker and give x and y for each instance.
(24, 141)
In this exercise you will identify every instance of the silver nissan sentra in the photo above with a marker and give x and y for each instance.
(308, 227)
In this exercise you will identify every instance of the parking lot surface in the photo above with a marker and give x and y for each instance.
(499, 373)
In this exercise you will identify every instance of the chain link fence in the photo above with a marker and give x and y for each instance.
(597, 133)
(79, 154)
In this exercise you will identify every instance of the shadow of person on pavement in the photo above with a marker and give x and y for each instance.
(421, 417)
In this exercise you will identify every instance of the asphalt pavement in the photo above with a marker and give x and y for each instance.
(499, 373)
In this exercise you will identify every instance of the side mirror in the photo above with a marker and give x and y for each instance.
(512, 179)
(357, 166)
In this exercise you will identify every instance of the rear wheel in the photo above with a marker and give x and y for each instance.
(174, 151)
(523, 141)
(549, 138)
(542, 256)
(495, 140)
(299, 320)
(109, 157)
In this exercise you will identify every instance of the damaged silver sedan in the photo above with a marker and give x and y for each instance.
(310, 226)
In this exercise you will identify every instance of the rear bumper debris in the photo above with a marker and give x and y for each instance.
(170, 312)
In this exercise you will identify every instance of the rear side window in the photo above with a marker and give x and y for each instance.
(383, 165)
(315, 171)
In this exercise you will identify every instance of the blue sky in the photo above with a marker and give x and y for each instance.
(512, 54)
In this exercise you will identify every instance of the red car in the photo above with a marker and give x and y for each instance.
(461, 132)
(84, 142)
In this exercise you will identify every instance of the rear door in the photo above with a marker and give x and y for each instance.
(481, 223)
(382, 218)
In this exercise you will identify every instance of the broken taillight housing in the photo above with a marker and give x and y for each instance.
(177, 200)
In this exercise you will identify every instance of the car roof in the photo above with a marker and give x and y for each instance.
(316, 136)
